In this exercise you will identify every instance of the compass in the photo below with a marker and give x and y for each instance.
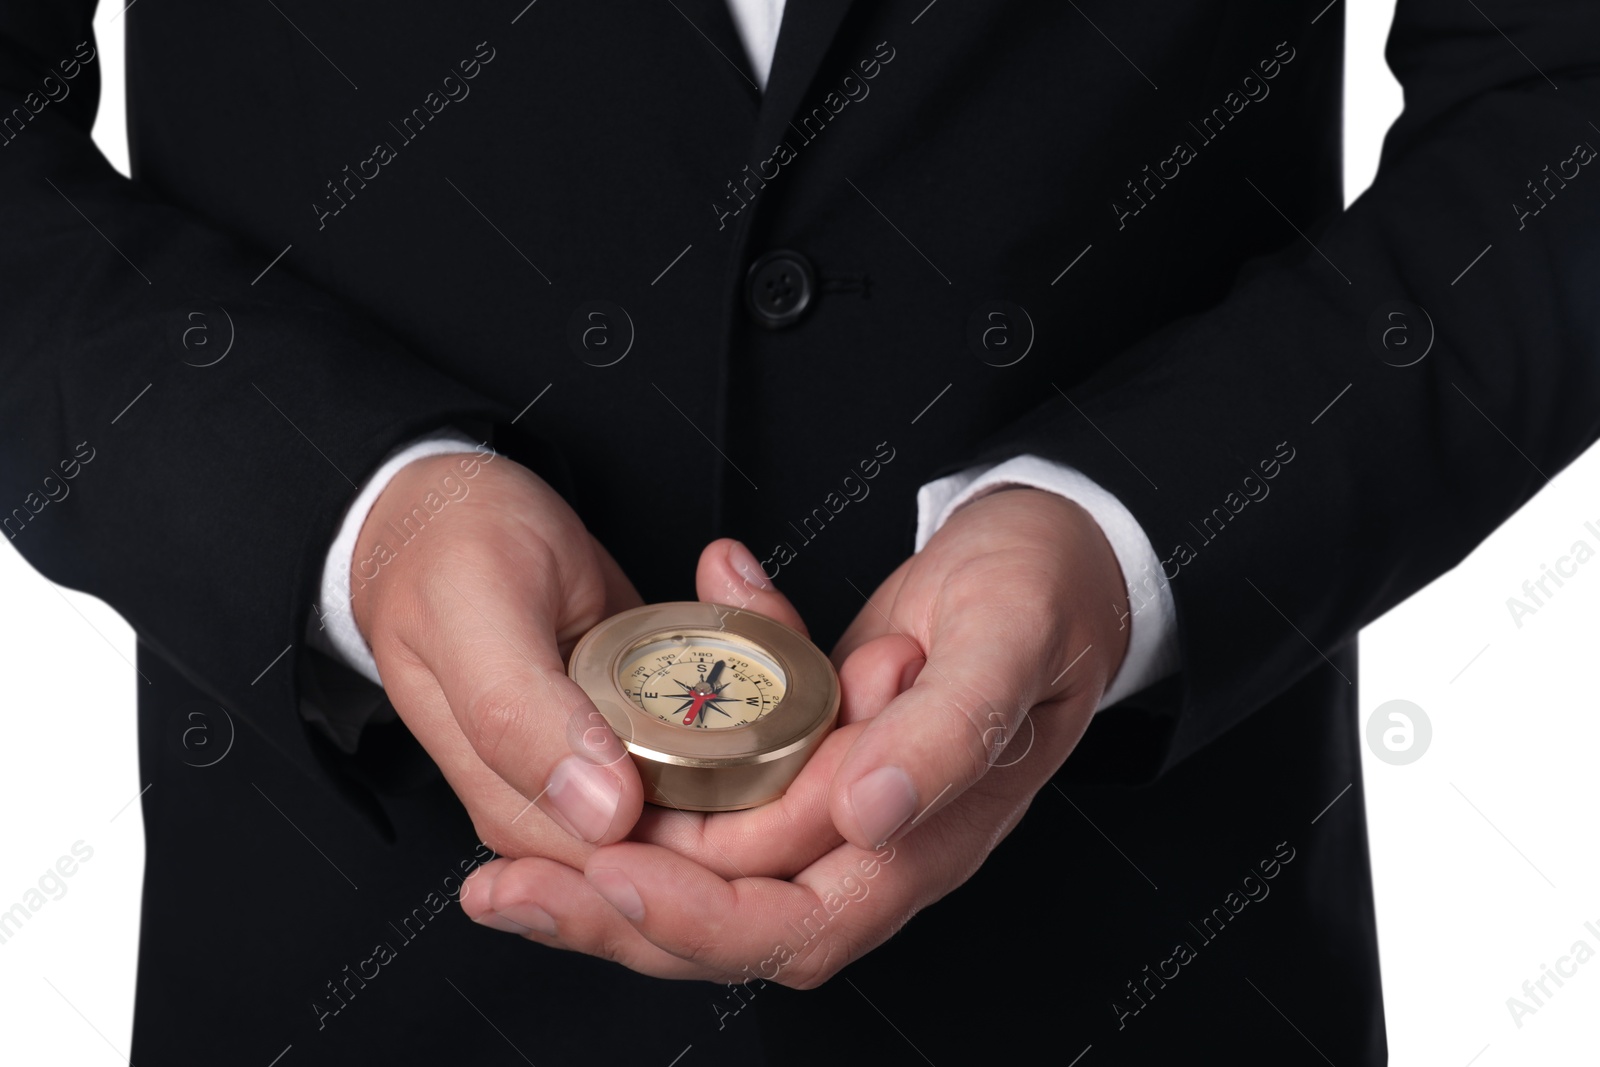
(719, 707)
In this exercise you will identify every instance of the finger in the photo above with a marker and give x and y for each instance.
(774, 840)
(986, 668)
(619, 595)
(492, 645)
(476, 894)
(730, 574)
(874, 674)
(552, 904)
(797, 933)
(503, 817)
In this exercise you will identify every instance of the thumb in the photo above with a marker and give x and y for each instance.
(729, 574)
(936, 739)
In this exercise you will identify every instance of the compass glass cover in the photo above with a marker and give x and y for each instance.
(701, 680)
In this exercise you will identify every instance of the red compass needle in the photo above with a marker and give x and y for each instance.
(699, 702)
(699, 698)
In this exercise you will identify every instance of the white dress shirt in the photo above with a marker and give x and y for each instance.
(1152, 640)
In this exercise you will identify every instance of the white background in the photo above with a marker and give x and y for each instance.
(1470, 902)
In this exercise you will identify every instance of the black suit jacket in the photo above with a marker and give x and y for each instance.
(401, 216)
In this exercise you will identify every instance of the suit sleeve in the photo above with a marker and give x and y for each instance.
(1354, 417)
(193, 492)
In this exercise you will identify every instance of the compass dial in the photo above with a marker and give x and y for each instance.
(704, 681)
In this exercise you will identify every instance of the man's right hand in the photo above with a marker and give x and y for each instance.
(469, 621)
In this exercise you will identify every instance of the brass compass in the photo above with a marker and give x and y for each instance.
(719, 708)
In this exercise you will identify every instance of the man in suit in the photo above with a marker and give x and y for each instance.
(1071, 287)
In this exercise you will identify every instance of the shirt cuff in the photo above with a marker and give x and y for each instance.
(1152, 639)
(332, 628)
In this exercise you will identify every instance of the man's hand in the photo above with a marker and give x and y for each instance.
(1018, 606)
(470, 590)
(968, 679)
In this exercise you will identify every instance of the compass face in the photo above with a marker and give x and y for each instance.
(704, 680)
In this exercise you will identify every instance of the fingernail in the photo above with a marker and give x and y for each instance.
(530, 916)
(745, 565)
(495, 921)
(883, 800)
(584, 796)
(618, 891)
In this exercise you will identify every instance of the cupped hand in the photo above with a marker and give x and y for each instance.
(469, 588)
(969, 677)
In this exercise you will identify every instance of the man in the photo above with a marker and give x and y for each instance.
(1072, 285)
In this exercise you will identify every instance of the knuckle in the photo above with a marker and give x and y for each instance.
(608, 944)
(978, 724)
(813, 970)
(1047, 623)
(828, 948)
(497, 718)
(700, 946)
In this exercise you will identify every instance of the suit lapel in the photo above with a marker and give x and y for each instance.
(716, 32)
(804, 37)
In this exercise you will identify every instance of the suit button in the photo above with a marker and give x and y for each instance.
(778, 288)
